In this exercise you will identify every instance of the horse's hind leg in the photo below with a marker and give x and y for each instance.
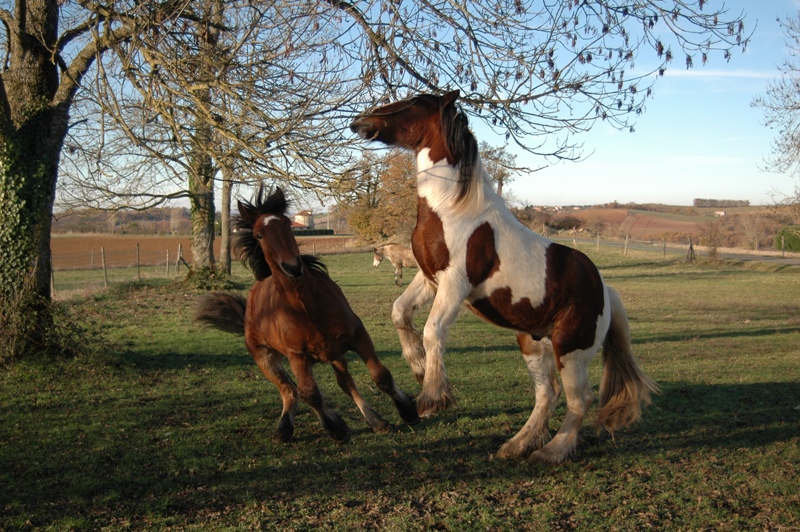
(541, 367)
(309, 392)
(348, 386)
(382, 377)
(270, 363)
(398, 274)
(575, 378)
(418, 293)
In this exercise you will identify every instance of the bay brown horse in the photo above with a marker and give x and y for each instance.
(400, 256)
(295, 311)
(471, 248)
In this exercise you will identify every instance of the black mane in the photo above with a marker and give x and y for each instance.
(245, 245)
(461, 145)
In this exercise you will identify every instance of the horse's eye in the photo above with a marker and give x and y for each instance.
(258, 236)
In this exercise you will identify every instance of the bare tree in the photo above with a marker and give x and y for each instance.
(781, 108)
(230, 90)
(500, 164)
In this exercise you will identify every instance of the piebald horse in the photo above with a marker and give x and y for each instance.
(470, 248)
(295, 311)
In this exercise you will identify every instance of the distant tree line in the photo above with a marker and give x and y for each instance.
(158, 220)
(698, 202)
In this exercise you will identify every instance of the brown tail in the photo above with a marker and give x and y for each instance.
(223, 311)
(625, 388)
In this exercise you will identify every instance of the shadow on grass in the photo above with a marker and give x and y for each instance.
(660, 338)
(169, 360)
(687, 416)
(189, 453)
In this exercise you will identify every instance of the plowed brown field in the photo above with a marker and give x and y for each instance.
(79, 252)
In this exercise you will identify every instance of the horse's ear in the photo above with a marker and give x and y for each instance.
(278, 201)
(450, 97)
(246, 214)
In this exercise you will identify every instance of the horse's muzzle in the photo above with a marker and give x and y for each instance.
(295, 271)
(363, 127)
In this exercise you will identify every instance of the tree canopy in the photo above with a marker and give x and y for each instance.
(284, 77)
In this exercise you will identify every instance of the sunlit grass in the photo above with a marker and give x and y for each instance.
(168, 425)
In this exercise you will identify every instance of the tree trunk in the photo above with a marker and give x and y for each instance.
(201, 189)
(225, 222)
(32, 132)
(201, 178)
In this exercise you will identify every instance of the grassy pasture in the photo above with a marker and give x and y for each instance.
(167, 426)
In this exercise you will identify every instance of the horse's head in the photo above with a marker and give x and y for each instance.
(377, 257)
(425, 121)
(265, 239)
(414, 123)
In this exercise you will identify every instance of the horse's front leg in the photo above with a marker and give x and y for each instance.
(270, 364)
(348, 386)
(309, 392)
(436, 394)
(398, 274)
(419, 292)
(362, 344)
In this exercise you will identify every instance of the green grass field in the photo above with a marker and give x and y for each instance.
(167, 425)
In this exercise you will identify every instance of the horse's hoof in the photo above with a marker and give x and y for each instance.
(431, 409)
(411, 417)
(407, 409)
(340, 432)
(428, 406)
(382, 428)
(509, 451)
(546, 456)
(282, 435)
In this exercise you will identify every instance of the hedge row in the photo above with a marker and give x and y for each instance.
(791, 235)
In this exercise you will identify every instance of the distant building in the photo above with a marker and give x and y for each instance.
(305, 218)
(719, 213)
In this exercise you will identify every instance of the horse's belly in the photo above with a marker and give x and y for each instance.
(499, 309)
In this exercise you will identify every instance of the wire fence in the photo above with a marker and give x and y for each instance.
(82, 269)
(93, 269)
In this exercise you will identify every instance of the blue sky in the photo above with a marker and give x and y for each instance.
(698, 138)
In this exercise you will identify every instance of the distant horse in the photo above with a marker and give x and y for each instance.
(471, 248)
(296, 311)
(400, 257)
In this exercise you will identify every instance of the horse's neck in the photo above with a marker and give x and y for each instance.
(299, 291)
(437, 182)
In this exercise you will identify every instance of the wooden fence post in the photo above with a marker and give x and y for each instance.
(783, 245)
(625, 250)
(105, 271)
(178, 260)
(167, 273)
(597, 246)
(138, 273)
(690, 256)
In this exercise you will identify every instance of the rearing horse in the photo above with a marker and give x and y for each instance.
(471, 248)
(295, 311)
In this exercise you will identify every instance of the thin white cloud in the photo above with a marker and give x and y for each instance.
(700, 73)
